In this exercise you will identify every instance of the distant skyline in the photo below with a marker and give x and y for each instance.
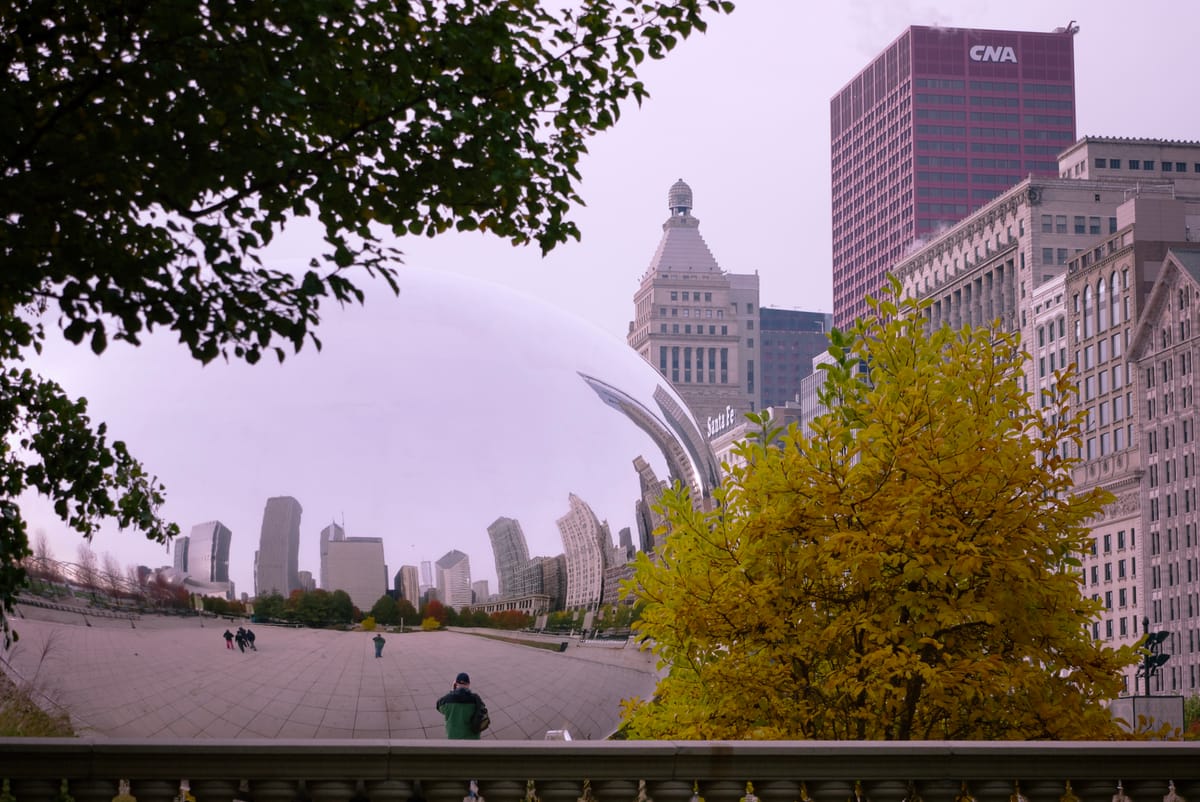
(741, 114)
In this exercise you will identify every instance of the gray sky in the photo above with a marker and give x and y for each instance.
(741, 114)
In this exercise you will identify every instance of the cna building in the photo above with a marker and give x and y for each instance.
(940, 123)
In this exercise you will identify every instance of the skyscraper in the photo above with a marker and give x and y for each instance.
(208, 552)
(938, 124)
(181, 545)
(511, 553)
(355, 565)
(331, 533)
(695, 322)
(409, 587)
(790, 340)
(276, 562)
(587, 545)
(454, 579)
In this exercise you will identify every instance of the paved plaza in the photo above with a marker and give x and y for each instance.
(173, 677)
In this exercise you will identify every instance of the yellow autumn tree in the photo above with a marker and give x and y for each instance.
(902, 570)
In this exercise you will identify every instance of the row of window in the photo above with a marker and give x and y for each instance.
(1083, 224)
(1002, 101)
(691, 312)
(1174, 576)
(1173, 541)
(992, 86)
(1146, 164)
(694, 359)
(687, 329)
(1108, 572)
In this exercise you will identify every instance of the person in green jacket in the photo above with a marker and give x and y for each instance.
(458, 707)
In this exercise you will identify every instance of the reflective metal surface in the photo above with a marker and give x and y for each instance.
(423, 419)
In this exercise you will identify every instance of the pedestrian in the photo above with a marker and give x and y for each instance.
(464, 711)
(250, 639)
(228, 639)
(379, 640)
(241, 640)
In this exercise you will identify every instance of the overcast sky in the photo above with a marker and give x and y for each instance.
(740, 113)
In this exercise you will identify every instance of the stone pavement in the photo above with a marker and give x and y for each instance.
(172, 677)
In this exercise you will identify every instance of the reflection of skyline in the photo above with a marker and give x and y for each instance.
(362, 434)
(689, 459)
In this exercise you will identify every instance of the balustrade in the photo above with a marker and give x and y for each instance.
(611, 771)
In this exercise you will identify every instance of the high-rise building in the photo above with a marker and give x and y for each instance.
(790, 340)
(276, 561)
(1076, 265)
(937, 125)
(511, 552)
(649, 520)
(454, 579)
(355, 565)
(695, 322)
(587, 545)
(408, 585)
(426, 575)
(479, 591)
(181, 553)
(329, 534)
(208, 552)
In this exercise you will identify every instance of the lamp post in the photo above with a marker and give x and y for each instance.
(1154, 657)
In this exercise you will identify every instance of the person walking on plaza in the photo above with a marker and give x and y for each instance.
(240, 637)
(462, 708)
(379, 641)
(228, 639)
(250, 639)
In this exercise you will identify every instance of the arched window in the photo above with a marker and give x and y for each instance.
(1101, 306)
(1113, 300)
(1088, 322)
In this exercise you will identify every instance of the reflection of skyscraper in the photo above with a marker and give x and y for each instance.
(510, 551)
(454, 579)
(587, 545)
(689, 459)
(648, 519)
(330, 533)
(409, 586)
(208, 552)
(276, 562)
(181, 553)
(426, 575)
(355, 565)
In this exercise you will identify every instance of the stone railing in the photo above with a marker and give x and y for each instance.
(612, 771)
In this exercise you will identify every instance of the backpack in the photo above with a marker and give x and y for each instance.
(479, 719)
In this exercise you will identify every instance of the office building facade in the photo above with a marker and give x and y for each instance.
(208, 552)
(331, 533)
(587, 547)
(1070, 262)
(937, 125)
(276, 563)
(511, 553)
(454, 579)
(409, 586)
(355, 565)
(696, 323)
(790, 338)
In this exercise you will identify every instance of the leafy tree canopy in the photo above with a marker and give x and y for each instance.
(903, 570)
(152, 150)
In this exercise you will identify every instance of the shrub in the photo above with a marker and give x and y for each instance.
(431, 624)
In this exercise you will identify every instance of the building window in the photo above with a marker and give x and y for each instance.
(1060, 224)
(1047, 224)
(1102, 163)
(1114, 164)
(1135, 164)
